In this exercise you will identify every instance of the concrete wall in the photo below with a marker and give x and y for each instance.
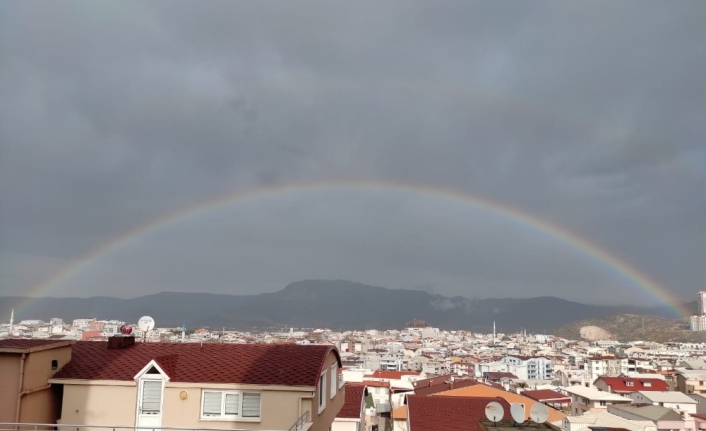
(100, 404)
(40, 403)
(9, 376)
(42, 406)
(322, 421)
(348, 425)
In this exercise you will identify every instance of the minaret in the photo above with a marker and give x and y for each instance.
(493, 332)
(183, 332)
(12, 320)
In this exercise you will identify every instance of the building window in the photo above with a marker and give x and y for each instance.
(629, 384)
(322, 392)
(54, 364)
(334, 375)
(244, 406)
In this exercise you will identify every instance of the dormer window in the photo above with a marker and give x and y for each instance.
(647, 384)
(629, 384)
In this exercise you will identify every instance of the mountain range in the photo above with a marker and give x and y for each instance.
(335, 304)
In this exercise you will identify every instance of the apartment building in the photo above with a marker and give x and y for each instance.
(592, 400)
(624, 385)
(606, 366)
(537, 368)
(691, 381)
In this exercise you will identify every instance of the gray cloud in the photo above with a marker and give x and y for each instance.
(589, 116)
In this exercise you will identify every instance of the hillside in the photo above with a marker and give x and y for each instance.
(628, 327)
(335, 304)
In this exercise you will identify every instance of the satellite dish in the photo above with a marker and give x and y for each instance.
(146, 323)
(494, 411)
(539, 413)
(517, 411)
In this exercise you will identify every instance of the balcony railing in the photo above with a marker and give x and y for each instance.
(14, 426)
(302, 424)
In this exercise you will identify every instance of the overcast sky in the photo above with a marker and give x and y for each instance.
(589, 115)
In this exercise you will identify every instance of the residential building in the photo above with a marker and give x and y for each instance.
(663, 418)
(605, 421)
(245, 386)
(537, 368)
(691, 381)
(351, 417)
(485, 391)
(673, 400)
(449, 413)
(606, 366)
(624, 385)
(550, 398)
(591, 399)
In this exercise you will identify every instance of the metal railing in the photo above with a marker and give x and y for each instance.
(24, 426)
(301, 422)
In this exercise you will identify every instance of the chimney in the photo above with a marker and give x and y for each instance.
(120, 341)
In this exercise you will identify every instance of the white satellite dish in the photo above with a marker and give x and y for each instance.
(494, 412)
(517, 411)
(146, 323)
(539, 413)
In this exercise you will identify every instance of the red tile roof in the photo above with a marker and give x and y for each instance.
(542, 395)
(500, 375)
(441, 387)
(620, 384)
(27, 344)
(442, 413)
(284, 364)
(354, 401)
(397, 375)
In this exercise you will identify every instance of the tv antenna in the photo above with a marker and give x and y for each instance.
(539, 413)
(146, 324)
(517, 411)
(494, 412)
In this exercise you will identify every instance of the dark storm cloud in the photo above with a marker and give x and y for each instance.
(589, 115)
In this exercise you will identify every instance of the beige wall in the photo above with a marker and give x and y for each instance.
(40, 406)
(322, 421)
(279, 409)
(99, 404)
(348, 425)
(9, 376)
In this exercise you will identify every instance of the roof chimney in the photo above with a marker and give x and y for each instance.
(120, 341)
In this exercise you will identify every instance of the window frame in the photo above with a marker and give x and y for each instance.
(229, 417)
(322, 391)
(333, 387)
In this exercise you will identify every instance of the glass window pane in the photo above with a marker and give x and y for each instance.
(251, 405)
(232, 404)
(212, 403)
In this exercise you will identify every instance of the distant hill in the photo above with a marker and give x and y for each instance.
(628, 327)
(336, 304)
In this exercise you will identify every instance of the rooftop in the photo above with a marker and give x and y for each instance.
(265, 364)
(353, 404)
(594, 394)
(26, 345)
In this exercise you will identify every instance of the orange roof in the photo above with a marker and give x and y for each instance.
(400, 413)
(476, 391)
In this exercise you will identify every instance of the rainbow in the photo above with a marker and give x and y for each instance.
(514, 215)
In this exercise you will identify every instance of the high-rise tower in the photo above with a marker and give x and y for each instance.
(701, 302)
